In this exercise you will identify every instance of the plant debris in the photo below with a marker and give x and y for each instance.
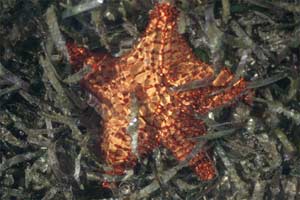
(49, 132)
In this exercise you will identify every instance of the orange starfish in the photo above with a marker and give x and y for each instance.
(158, 72)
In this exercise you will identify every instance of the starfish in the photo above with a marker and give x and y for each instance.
(170, 85)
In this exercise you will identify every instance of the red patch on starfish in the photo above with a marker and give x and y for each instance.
(158, 71)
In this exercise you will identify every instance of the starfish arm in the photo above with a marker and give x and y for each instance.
(224, 78)
(80, 56)
(116, 142)
(181, 147)
(146, 138)
(203, 166)
(189, 75)
(225, 95)
(104, 69)
(176, 134)
(221, 92)
(116, 146)
(163, 51)
(77, 55)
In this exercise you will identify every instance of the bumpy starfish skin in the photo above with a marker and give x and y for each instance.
(158, 72)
